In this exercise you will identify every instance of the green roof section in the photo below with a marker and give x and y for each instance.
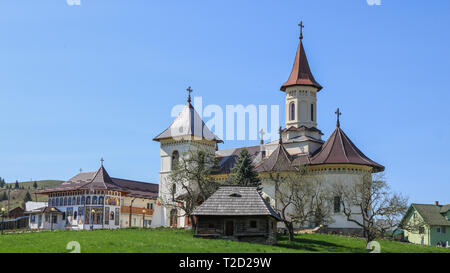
(433, 215)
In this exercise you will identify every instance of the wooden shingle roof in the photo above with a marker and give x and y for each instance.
(236, 201)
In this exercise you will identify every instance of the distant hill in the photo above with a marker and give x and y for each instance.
(17, 195)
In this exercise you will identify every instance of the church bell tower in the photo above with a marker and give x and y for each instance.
(301, 134)
(301, 89)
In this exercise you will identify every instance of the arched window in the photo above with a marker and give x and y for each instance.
(78, 200)
(53, 202)
(82, 200)
(312, 112)
(69, 201)
(88, 200)
(292, 111)
(65, 201)
(175, 159)
(74, 200)
(100, 200)
(94, 200)
(61, 202)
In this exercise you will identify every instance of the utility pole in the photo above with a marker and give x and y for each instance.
(131, 211)
(9, 197)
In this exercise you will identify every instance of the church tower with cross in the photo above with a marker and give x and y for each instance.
(186, 133)
(301, 133)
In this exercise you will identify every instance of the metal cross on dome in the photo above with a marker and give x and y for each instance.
(101, 160)
(338, 113)
(189, 90)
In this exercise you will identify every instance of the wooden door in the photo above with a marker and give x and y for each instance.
(229, 228)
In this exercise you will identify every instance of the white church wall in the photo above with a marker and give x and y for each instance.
(329, 178)
(183, 147)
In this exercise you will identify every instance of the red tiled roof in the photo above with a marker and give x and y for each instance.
(301, 73)
(339, 149)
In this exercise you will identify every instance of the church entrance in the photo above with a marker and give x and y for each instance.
(173, 218)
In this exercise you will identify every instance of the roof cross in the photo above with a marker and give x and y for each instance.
(280, 131)
(189, 89)
(261, 132)
(301, 29)
(338, 113)
(101, 160)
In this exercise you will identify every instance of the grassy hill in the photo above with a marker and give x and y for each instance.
(182, 241)
(17, 195)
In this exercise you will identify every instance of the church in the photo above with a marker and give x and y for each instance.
(336, 159)
(94, 200)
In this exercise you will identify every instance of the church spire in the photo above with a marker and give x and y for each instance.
(301, 73)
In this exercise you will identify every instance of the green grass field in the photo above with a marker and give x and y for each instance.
(173, 240)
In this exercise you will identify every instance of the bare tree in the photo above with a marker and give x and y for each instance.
(190, 182)
(301, 199)
(368, 201)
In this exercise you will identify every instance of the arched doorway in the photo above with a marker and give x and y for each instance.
(173, 218)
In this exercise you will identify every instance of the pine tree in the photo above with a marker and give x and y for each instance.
(243, 172)
(16, 186)
(4, 196)
(35, 185)
(27, 197)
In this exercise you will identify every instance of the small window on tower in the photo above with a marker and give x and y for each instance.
(312, 112)
(175, 159)
(337, 204)
(292, 111)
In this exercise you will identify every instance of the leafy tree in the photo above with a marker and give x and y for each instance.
(243, 172)
(2, 182)
(4, 196)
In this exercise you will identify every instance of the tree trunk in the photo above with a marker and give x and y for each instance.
(290, 228)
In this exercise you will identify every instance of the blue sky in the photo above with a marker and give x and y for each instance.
(99, 80)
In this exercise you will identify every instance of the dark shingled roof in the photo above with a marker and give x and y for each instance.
(101, 180)
(188, 123)
(236, 201)
(339, 149)
(301, 74)
(279, 160)
(432, 214)
(227, 162)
